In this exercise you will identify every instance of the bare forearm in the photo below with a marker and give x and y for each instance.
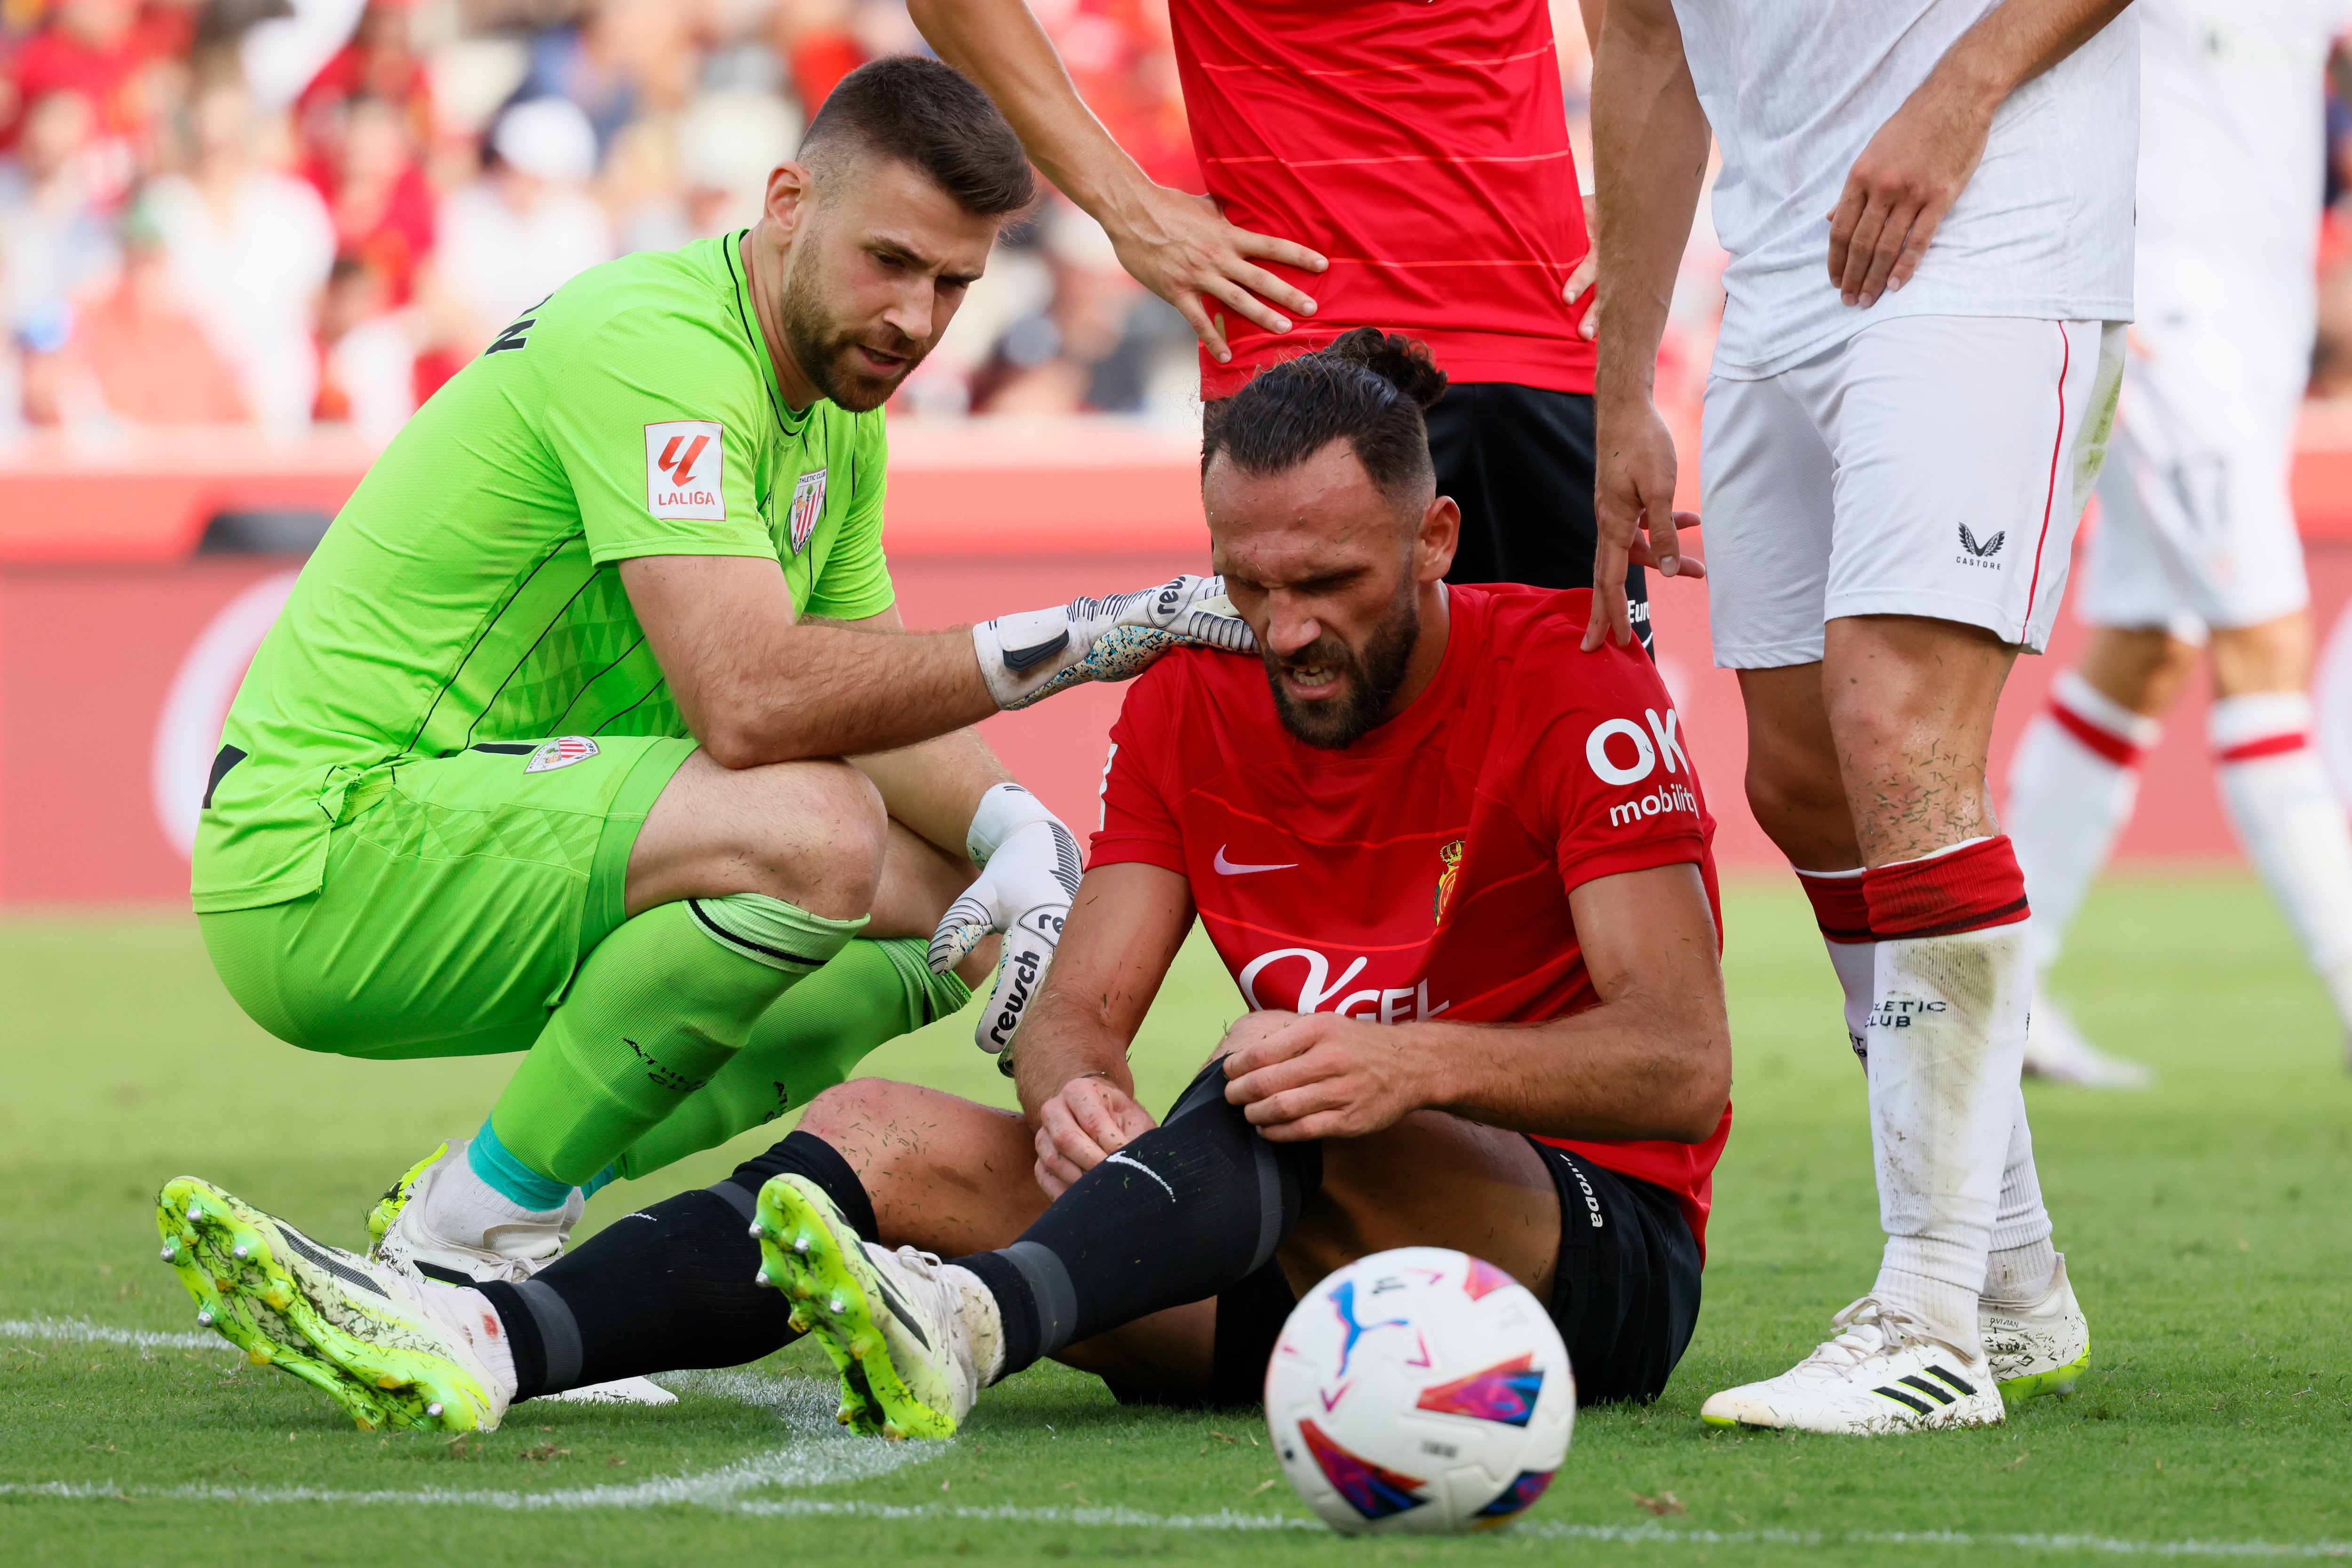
(825, 691)
(2015, 43)
(1124, 930)
(934, 787)
(1067, 1036)
(999, 44)
(1649, 149)
(1629, 1069)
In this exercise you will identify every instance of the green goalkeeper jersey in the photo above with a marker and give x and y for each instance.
(468, 591)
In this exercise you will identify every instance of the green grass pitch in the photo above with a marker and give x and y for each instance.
(2206, 1223)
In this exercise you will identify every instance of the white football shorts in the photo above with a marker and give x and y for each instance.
(2196, 528)
(1927, 466)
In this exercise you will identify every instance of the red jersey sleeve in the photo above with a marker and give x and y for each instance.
(1138, 817)
(1615, 786)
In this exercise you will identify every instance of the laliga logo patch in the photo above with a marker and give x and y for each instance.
(685, 467)
(561, 752)
(808, 506)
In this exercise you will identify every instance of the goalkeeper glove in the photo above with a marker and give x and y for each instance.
(1027, 658)
(1029, 874)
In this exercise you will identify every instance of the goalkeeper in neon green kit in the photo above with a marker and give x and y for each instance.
(546, 754)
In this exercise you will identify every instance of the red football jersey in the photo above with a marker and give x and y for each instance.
(1423, 871)
(1422, 149)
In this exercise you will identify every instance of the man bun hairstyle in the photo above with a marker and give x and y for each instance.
(929, 115)
(1367, 387)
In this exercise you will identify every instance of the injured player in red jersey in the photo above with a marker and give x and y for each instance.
(1459, 873)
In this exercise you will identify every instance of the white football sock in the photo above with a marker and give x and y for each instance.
(2019, 1265)
(461, 1208)
(2291, 824)
(2021, 1257)
(2072, 786)
(1946, 1045)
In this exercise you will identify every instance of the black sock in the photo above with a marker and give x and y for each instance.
(1181, 1214)
(667, 1287)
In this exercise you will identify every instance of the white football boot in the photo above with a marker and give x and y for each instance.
(1880, 1375)
(913, 1338)
(2056, 1049)
(391, 1349)
(2040, 1346)
(441, 1221)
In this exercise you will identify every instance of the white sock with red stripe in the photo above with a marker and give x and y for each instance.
(1946, 1045)
(2070, 790)
(2021, 1257)
(2291, 824)
(1843, 914)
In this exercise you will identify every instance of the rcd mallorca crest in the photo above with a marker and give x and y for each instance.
(808, 506)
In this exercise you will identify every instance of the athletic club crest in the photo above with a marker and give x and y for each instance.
(562, 752)
(808, 506)
(1450, 857)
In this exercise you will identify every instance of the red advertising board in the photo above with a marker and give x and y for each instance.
(113, 680)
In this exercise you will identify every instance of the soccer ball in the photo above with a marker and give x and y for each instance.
(1421, 1390)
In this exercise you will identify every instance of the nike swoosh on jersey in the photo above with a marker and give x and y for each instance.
(1227, 868)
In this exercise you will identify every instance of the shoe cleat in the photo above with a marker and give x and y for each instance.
(362, 1333)
(897, 1378)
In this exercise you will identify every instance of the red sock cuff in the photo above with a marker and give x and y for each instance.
(2096, 739)
(2268, 746)
(1971, 889)
(1840, 908)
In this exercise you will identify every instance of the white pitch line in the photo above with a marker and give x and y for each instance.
(825, 1456)
(714, 1491)
(81, 1331)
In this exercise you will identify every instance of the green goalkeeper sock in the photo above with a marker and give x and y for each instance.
(652, 1015)
(811, 1039)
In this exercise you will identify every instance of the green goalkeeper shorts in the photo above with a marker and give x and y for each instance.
(460, 895)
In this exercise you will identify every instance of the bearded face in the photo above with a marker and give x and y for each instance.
(857, 359)
(1329, 693)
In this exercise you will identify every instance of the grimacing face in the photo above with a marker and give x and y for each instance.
(880, 259)
(1323, 568)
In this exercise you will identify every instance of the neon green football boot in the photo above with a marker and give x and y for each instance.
(368, 1336)
(895, 1325)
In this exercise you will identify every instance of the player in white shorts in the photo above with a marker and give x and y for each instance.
(2196, 547)
(1927, 207)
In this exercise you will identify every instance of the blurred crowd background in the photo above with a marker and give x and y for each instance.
(288, 213)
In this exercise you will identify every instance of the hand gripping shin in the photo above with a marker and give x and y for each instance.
(1028, 657)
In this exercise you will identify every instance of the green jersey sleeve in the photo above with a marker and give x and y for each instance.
(660, 461)
(855, 581)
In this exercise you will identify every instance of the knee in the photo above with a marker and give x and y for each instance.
(2273, 657)
(847, 1115)
(819, 840)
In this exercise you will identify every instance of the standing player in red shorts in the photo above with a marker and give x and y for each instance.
(1422, 151)
(1460, 876)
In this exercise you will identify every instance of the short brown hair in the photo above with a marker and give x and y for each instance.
(930, 116)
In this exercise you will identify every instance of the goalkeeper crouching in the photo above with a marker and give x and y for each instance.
(591, 733)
